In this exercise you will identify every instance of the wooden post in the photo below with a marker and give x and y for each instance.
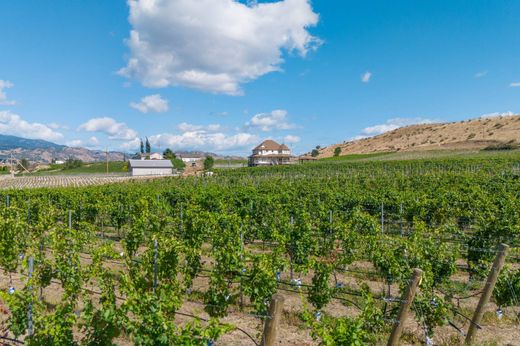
(488, 290)
(30, 307)
(406, 302)
(273, 321)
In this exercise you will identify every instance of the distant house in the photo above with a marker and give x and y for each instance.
(150, 167)
(151, 156)
(270, 153)
(190, 158)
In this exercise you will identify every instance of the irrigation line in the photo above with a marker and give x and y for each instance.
(11, 340)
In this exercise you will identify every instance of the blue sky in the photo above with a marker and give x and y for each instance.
(221, 75)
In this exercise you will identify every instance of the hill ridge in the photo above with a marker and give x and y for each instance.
(472, 134)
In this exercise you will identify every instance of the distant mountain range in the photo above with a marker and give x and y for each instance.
(37, 150)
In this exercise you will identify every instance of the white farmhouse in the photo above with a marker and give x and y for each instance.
(152, 156)
(150, 167)
(270, 153)
(190, 158)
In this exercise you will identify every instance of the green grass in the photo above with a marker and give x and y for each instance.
(422, 155)
(87, 168)
(356, 157)
(231, 162)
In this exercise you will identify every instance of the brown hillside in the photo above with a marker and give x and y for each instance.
(472, 134)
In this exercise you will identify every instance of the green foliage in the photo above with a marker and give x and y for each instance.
(321, 292)
(168, 154)
(337, 151)
(209, 161)
(507, 289)
(72, 163)
(315, 152)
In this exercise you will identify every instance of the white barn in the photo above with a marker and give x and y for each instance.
(150, 167)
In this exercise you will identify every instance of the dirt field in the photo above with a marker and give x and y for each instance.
(293, 331)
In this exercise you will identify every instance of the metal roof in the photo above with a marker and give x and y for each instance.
(150, 163)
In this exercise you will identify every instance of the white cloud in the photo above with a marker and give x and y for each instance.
(291, 139)
(185, 127)
(481, 74)
(199, 137)
(92, 142)
(214, 45)
(13, 124)
(497, 114)
(202, 140)
(75, 143)
(56, 126)
(134, 144)
(151, 103)
(365, 78)
(5, 84)
(391, 125)
(115, 130)
(275, 120)
(515, 84)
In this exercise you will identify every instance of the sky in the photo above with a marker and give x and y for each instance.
(222, 75)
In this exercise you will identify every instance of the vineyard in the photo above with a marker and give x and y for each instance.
(317, 254)
(32, 182)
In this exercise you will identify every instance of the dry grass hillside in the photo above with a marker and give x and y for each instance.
(474, 134)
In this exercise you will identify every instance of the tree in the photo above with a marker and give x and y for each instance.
(72, 163)
(142, 147)
(315, 152)
(148, 146)
(168, 154)
(208, 163)
(23, 165)
(337, 151)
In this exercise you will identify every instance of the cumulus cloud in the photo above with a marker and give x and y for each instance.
(92, 142)
(203, 140)
(152, 103)
(199, 137)
(109, 126)
(4, 101)
(515, 84)
(365, 78)
(56, 126)
(391, 125)
(214, 45)
(185, 127)
(275, 120)
(75, 143)
(497, 114)
(291, 139)
(13, 124)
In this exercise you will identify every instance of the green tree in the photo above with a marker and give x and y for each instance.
(23, 165)
(208, 163)
(148, 146)
(142, 147)
(168, 154)
(315, 152)
(337, 151)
